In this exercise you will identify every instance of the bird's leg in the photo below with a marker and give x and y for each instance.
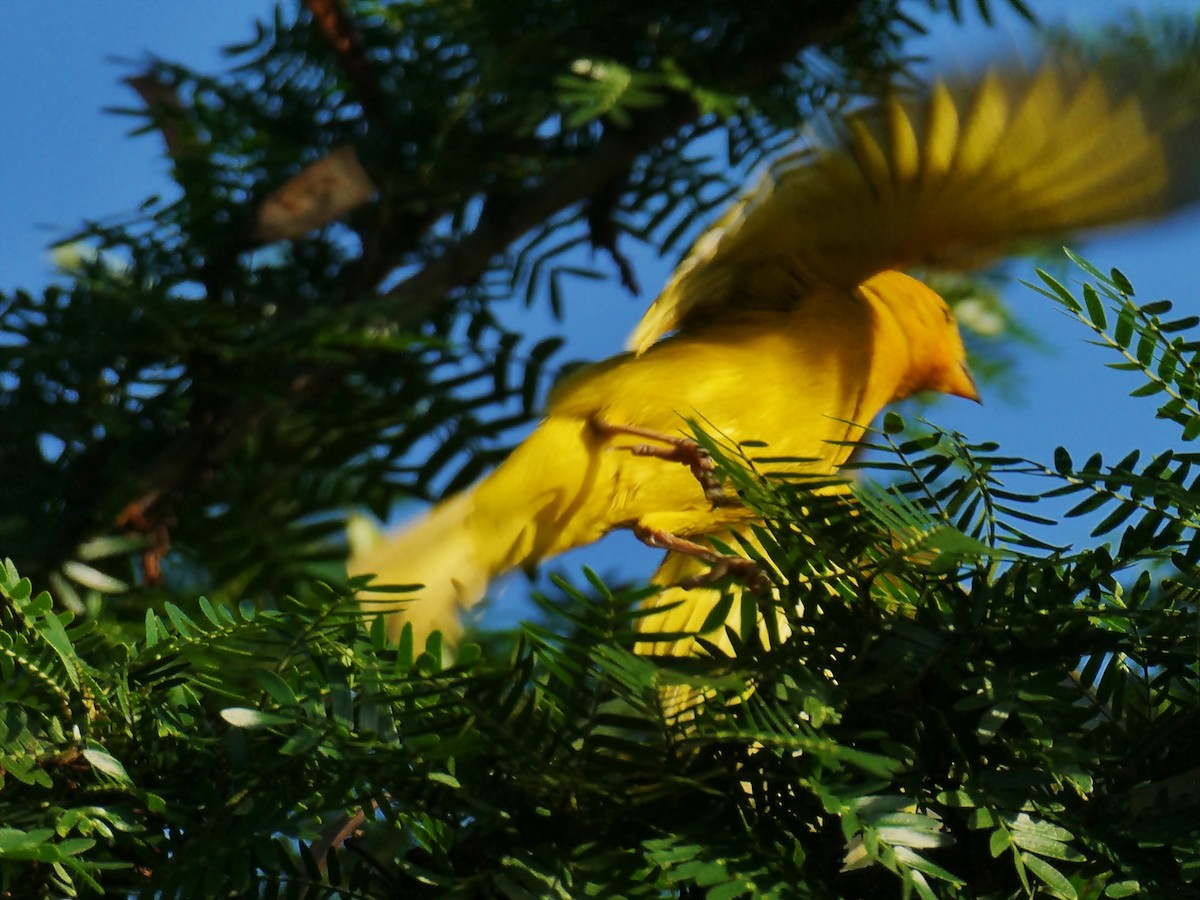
(678, 449)
(739, 566)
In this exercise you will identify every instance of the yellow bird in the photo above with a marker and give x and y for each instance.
(790, 324)
(796, 377)
(951, 178)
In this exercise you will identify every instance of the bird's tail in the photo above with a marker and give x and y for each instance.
(436, 556)
(683, 612)
(680, 609)
(523, 512)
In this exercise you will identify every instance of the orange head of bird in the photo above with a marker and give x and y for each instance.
(936, 358)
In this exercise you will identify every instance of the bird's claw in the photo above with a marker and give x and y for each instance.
(722, 566)
(676, 448)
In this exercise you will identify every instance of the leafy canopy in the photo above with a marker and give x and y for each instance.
(962, 707)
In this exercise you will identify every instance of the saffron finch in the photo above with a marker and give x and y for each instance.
(800, 377)
(791, 325)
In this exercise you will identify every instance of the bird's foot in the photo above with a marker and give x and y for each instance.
(676, 448)
(722, 566)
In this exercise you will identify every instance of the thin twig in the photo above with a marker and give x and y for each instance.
(336, 27)
(163, 103)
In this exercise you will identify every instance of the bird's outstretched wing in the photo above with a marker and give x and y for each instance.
(951, 176)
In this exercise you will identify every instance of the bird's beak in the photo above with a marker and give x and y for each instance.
(962, 384)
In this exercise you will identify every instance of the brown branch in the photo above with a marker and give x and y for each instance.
(503, 223)
(505, 220)
(322, 192)
(189, 456)
(214, 434)
(336, 27)
(1166, 796)
(163, 103)
(603, 233)
(336, 834)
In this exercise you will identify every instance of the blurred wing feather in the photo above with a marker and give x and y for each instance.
(950, 177)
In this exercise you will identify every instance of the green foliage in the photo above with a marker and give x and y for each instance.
(957, 706)
(184, 380)
(956, 709)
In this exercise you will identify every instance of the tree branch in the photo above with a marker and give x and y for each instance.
(503, 223)
(504, 220)
(337, 29)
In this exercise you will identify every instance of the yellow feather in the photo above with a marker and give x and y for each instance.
(875, 169)
(983, 132)
(902, 144)
(832, 361)
(952, 177)
(941, 137)
(792, 326)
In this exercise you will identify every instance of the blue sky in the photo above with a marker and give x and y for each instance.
(63, 159)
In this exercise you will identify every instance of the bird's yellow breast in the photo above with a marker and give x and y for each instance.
(792, 379)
